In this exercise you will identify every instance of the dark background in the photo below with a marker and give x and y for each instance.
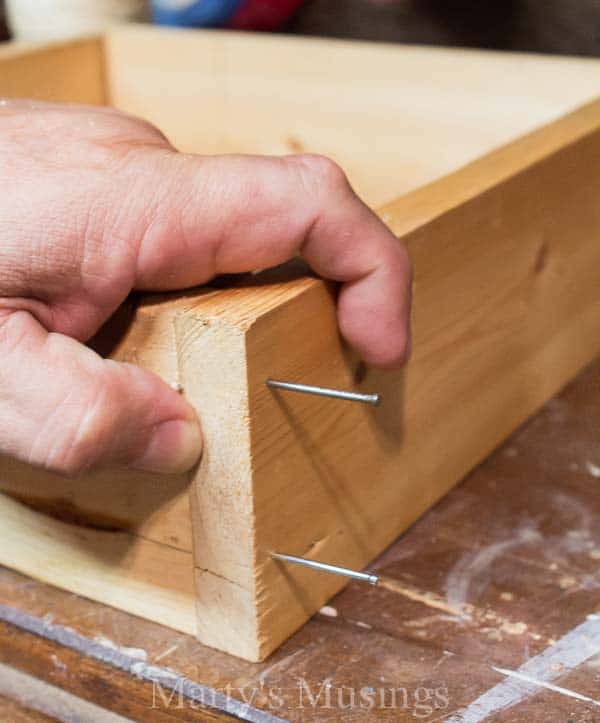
(545, 26)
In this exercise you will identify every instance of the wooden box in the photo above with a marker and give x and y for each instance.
(487, 165)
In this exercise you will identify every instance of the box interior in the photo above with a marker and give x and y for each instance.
(395, 117)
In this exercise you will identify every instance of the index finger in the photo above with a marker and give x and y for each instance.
(233, 214)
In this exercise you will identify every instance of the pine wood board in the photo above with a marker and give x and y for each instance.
(142, 577)
(507, 309)
(492, 342)
(72, 72)
(519, 530)
(394, 116)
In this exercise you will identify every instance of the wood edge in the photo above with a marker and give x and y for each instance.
(423, 205)
(238, 304)
(242, 305)
(19, 48)
(124, 31)
(31, 644)
(125, 584)
(85, 84)
(223, 557)
(585, 128)
(316, 294)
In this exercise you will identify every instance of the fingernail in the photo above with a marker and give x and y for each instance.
(174, 447)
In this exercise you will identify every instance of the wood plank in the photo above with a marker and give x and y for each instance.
(45, 702)
(310, 498)
(395, 117)
(493, 341)
(117, 536)
(143, 577)
(68, 72)
(518, 540)
(16, 713)
(47, 664)
(155, 507)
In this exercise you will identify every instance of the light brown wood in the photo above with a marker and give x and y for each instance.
(155, 507)
(140, 576)
(119, 537)
(507, 309)
(493, 341)
(395, 117)
(71, 72)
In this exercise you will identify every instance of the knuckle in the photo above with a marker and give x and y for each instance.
(323, 172)
(13, 330)
(86, 434)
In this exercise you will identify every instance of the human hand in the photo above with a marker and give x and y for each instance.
(93, 204)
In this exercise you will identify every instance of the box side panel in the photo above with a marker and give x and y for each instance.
(395, 117)
(139, 576)
(151, 505)
(120, 537)
(407, 213)
(506, 311)
(70, 72)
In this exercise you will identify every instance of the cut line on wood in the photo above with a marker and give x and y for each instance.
(116, 658)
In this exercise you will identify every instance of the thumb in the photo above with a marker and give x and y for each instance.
(65, 408)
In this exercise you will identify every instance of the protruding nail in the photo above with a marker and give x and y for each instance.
(326, 567)
(324, 392)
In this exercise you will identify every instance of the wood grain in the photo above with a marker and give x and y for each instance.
(507, 309)
(17, 713)
(143, 577)
(92, 681)
(67, 72)
(508, 540)
(155, 507)
(394, 116)
(43, 702)
(120, 537)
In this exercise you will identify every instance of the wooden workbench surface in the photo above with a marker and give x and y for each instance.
(518, 542)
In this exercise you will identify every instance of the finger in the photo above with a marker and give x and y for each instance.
(65, 408)
(230, 214)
